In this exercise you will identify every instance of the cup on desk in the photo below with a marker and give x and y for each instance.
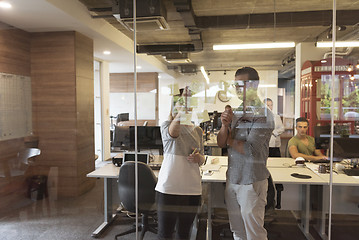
(323, 168)
(299, 161)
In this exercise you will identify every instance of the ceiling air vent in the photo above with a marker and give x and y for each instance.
(177, 58)
(151, 15)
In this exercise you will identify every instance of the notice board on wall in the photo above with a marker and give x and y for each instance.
(15, 106)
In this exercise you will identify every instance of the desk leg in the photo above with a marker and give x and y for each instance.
(209, 211)
(323, 208)
(305, 213)
(108, 213)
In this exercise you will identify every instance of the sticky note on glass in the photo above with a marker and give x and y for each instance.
(186, 119)
(203, 116)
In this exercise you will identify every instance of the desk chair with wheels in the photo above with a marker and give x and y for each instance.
(146, 194)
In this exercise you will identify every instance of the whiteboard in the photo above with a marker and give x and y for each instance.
(15, 106)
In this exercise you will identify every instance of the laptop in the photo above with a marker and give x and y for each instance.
(141, 157)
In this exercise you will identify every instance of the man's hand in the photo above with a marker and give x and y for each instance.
(317, 158)
(226, 117)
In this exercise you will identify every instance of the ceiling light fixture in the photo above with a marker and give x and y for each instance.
(338, 44)
(254, 46)
(5, 5)
(205, 74)
(138, 67)
(106, 52)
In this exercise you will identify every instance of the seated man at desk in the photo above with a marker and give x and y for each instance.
(302, 145)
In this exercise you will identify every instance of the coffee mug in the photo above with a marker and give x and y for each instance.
(322, 168)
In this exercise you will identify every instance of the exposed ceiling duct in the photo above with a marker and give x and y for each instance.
(150, 15)
(184, 7)
(283, 19)
(177, 58)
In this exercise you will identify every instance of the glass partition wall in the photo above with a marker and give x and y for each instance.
(217, 113)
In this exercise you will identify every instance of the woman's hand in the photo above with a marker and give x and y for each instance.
(195, 157)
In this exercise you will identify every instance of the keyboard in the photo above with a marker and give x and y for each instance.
(352, 171)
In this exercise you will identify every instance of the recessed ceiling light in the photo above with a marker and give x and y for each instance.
(254, 46)
(138, 67)
(5, 5)
(106, 52)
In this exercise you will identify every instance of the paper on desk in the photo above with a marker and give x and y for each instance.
(211, 167)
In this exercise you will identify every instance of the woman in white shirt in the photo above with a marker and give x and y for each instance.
(179, 181)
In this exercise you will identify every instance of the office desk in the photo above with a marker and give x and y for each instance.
(109, 173)
(281, 170)
(277, 167)
(341, 183)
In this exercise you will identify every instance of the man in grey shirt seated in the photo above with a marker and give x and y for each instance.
(246, 134)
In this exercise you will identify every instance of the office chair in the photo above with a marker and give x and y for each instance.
(146, 194)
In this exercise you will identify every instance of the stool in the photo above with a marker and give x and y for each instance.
(37, 184)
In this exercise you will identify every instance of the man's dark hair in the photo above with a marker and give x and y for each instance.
(252, 73)
(301, 119)
(267, 100)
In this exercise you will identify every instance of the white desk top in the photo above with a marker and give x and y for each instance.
(280, 162)
(276, 166)
(338, 178)
(107, 171)
(283, 175)
(271, 162)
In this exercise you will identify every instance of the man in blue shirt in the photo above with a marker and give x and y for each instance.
(247, 136)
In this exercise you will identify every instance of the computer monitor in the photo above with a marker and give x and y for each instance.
(121, 137)
(322, 136)
(148, 137)
(345, 147)
(141, 157)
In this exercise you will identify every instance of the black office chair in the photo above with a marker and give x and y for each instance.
(146, 194)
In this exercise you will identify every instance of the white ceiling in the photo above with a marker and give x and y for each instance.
(65, 15)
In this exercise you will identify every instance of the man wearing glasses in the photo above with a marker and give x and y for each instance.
(247, 136)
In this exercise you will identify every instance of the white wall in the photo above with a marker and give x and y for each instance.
(105, 90)
(124, 103)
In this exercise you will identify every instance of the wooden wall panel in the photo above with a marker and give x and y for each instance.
(62, 74)
(14, 59)
(85, 111)
(15, 52)
(140, 122)
(123, 82)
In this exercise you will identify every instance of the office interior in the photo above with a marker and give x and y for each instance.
(67, 71)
